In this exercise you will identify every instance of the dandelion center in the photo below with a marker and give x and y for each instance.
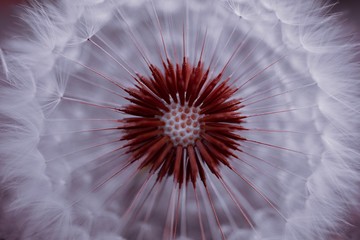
(182, 121)
(182, 124)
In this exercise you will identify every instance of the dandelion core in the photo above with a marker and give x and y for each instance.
(182, 120)
(182, 124)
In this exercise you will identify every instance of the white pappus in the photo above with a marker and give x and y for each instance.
(96, 100)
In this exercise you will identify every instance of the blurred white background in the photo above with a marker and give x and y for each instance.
(350, 7)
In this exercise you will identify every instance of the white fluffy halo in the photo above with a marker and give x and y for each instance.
(64, 172)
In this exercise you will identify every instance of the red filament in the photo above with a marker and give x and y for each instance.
(182, 121)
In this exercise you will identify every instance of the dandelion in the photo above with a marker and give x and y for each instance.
(177, 119)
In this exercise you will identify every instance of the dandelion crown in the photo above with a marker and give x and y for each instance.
(156, 119)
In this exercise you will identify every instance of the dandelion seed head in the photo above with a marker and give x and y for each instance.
(178, 119)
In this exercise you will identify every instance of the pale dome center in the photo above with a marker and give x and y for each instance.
(182, 124)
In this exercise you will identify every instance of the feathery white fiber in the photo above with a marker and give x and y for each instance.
(64, 171)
